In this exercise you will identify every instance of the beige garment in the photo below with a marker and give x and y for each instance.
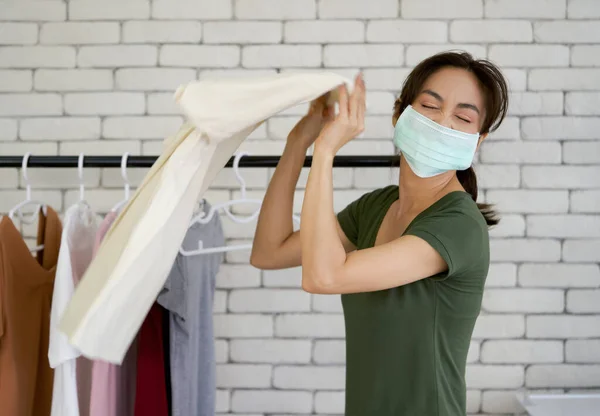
(135, 258)
(114, 243)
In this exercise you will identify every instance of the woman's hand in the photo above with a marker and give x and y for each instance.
(349, 122)
(308, 128)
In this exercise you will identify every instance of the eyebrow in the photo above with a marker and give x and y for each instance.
(460, 105)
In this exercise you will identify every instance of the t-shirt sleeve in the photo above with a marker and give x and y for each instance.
(358, 216)
(459, 238)
(349, 219)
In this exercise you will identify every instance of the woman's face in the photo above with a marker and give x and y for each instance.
(452, 97)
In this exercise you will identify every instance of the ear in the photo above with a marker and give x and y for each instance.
(481, 139)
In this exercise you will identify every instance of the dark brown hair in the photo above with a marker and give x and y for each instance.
(495, 91)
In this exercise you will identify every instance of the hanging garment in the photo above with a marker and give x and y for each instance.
(151, 390)
(72, 373)
(113, 386)
(188, 295)
(26, 284)
(139, 250)
(166, 331)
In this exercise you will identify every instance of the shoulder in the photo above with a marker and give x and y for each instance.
(455, 227)
(458, 206)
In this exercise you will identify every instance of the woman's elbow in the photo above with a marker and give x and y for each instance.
(271, 259)
(259, 257)
(254, 262)
(309, 286)
(317, 283)
(260, 261)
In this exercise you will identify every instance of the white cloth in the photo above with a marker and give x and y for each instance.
(108, 312)
(75, 254)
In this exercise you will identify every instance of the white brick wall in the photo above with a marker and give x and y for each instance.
(494, 31)
(33, 11)
(15, 80)
(430, 9)
(73, 80)
(342, 9)
(401, 31)
(324, 31)
(190, 9)
(18, 34)
(199, 56)
(109, 10)
(98, 77)
(73, 33)
(37, 57)
(137, 31)
(532, 9)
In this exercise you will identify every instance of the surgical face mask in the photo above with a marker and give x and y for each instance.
(431, 149)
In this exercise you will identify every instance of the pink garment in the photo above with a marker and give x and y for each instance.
(103, 229)
(84, 366)
(113, 386)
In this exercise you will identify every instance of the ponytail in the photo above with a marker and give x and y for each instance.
(468, 180)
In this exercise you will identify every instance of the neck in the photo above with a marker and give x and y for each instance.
(417, 193)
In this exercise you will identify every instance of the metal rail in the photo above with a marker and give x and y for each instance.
(147, 161)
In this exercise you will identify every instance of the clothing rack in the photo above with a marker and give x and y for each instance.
(147, 161)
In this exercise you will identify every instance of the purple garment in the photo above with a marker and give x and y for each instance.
(113, 386)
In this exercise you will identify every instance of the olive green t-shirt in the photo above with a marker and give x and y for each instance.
(406, 347)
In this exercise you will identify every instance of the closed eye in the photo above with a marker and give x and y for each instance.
(463, 119)
(429, 106)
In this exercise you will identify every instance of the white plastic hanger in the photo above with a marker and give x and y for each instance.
(80, 176)
(126, 186)
(17, 209)
(205, 218)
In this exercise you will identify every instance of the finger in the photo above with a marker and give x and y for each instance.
(329, 113)
(327, 108)
(343, 101)
(362, 108)
(360, 99)
(354, 100)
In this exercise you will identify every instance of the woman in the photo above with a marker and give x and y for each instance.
(411, 260)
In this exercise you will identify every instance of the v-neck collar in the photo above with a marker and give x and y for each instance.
(49, 233)
(395, 197)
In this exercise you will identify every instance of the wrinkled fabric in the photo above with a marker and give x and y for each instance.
(189, 296)
(72, 373)
(136, 256)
